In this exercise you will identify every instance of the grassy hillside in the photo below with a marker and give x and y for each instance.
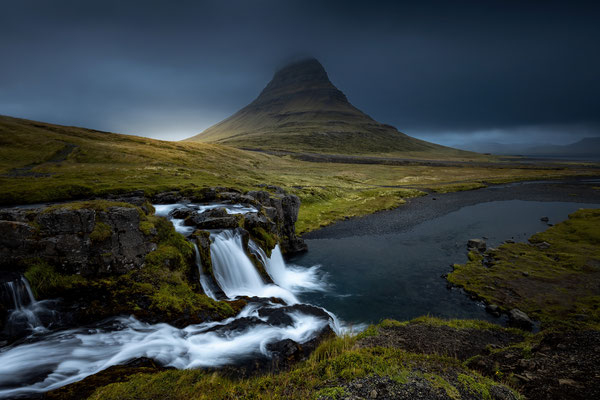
(43, 162)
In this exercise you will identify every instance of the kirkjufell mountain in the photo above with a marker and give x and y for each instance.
(300, 110)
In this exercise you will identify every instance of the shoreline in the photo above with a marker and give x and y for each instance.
(433, 205)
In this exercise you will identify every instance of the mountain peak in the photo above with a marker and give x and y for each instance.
(309, 69)
(301, 110)
(302, 77)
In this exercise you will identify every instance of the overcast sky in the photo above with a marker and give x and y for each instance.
(447, 71)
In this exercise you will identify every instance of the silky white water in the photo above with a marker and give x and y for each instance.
(69, 356)
(236, 274)
(64, 357)
(25, 309)
(290, 277)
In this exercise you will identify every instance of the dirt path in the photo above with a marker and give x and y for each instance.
(520, 163)
(60, 156)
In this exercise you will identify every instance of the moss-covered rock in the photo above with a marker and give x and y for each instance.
(91, 238)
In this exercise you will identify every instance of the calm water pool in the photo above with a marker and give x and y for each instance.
(399, 275)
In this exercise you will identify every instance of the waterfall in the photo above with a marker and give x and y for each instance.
(205, 282)
(25, 310)
(290, 277)
(55, 359)
(236, 274)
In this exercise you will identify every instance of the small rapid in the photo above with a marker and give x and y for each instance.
(25, 313)
(236, 274)
(293, 278)
(70, 356)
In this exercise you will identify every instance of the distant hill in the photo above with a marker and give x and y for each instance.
(585, 148)
(588, 147)
(300, 110)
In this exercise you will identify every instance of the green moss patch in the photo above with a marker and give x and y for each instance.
(101, 232)
(554, 278)
(45, 282)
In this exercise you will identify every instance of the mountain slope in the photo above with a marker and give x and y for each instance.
(300, 110)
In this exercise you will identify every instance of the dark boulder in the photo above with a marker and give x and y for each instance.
(477, 244)
(518, 319)
(217, 218)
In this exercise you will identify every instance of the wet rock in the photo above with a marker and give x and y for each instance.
(542, 245)
(259, 195)
(477, 244)
(232, 197)
(167, 198)
(544, 219)
(493, 309)
(181, 213)
(276, 316)
(217, 218)
(518, 319)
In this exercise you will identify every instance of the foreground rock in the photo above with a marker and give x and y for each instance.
(87, 238)
(519, 319)
(562, 365)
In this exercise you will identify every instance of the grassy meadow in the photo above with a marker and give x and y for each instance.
(42, 162)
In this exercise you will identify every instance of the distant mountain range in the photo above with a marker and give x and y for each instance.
(300, 110)
(585, 148)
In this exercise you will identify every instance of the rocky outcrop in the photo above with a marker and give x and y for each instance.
(79, 238)
(217, 218)
(277, 213)
(476, 244)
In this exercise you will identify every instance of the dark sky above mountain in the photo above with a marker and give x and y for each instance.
(446, 71)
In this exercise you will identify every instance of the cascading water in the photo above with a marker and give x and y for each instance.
(64, 357)
(204, 279)
(235, 272)
(25, 311)
(289, 277)
(69, 356)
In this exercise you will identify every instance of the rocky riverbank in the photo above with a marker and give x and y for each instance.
(114, 256)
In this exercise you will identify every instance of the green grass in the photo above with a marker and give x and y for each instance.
(104, 163)
(560, 283)
(373, 330)
(45, 281)
(335, 362)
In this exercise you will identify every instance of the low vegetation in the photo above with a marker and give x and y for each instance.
(43, 162)
(329, 373)
(554, 278)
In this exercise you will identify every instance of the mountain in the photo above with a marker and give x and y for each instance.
(300, 110)
(585, 148)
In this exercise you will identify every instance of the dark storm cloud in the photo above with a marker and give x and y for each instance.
(434, 69)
